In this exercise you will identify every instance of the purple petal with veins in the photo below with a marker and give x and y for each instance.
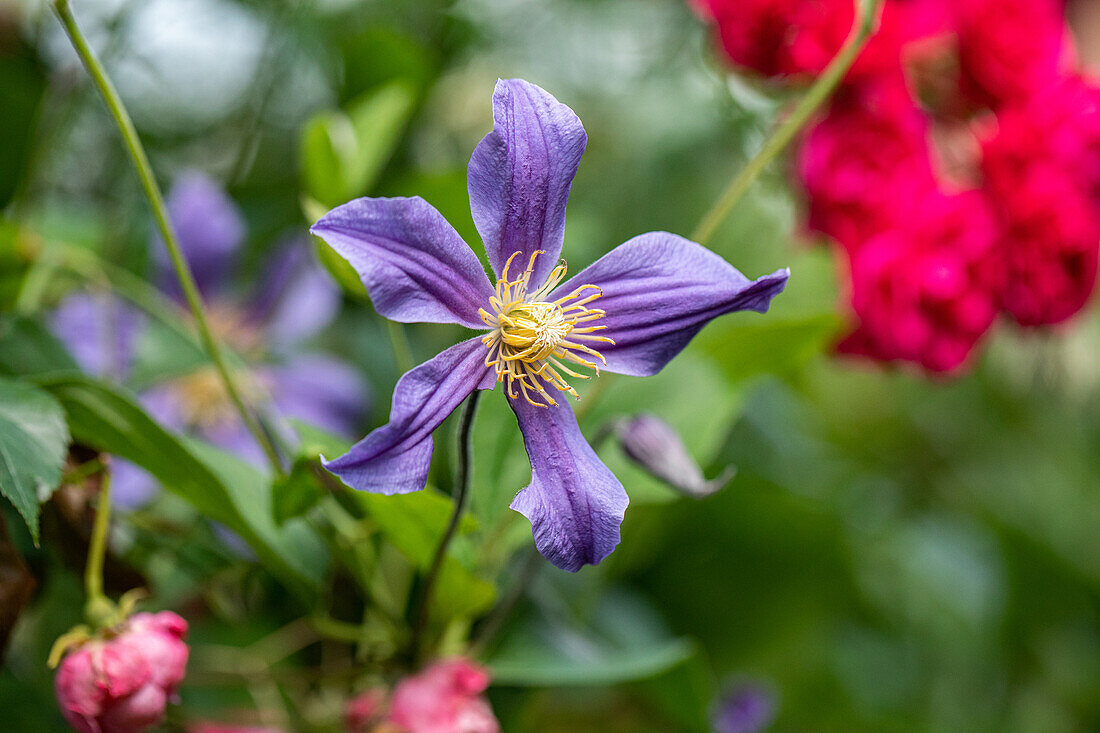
(394, 458)
(574, 503)
(413, 263)
(659, 290)
(520, 175)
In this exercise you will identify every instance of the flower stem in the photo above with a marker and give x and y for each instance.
(160, 215)
(864, 26)
(462, 481)
(97, 608)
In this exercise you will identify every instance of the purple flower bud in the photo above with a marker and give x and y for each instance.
(655, 445)
(121, 684)
(746, 707)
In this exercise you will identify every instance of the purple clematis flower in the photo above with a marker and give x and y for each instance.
(656, 292)
(293, 301)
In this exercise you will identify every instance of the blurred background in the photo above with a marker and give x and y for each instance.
(899, 551)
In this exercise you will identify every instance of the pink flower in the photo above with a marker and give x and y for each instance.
(927, 290)
(1009, 49)
(217, 728)
(363, 712)
(1042, 167)
(865, 159)
(752, 32)
(798, 38)
(444, 698)
(1051, 247)
(121, 684)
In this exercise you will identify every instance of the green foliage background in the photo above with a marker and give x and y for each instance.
(896, 553)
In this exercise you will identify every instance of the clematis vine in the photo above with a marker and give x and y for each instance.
(540, 331)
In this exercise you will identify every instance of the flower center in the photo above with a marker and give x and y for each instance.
(202, 401)
(532, 338)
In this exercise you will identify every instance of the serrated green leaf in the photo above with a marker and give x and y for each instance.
(33, 442)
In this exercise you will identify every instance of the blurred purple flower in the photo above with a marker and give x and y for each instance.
(658, 290)
(746, 707)
(210, 230)
(99, 330)
(293, 300)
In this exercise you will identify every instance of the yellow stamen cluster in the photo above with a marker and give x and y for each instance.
(532, 337)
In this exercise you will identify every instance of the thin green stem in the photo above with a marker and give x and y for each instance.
(864, 26)
(460, 493)
(97, 607)
(160, 215)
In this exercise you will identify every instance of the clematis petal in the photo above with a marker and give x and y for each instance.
(574, 503)
(659, 290)
(394, 458)
(520, 173)
(414, 264)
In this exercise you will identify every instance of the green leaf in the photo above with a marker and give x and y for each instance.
(296, 493)
(343, 153)
(33, 443)
(218, 485)
(292, 552)
(745, 349)
(414, 524)
(623, 643)
(378, 119)
(27, 347)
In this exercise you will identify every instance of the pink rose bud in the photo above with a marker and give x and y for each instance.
(444, 698)
(121, 684)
